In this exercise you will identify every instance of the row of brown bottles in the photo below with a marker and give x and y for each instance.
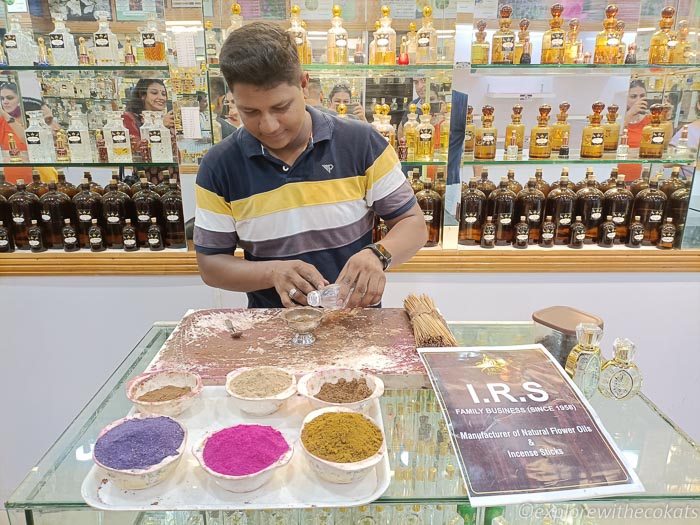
(55, 210)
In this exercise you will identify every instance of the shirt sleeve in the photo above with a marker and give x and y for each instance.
(214, 224)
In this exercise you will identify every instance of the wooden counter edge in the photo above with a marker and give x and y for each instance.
(534, 260)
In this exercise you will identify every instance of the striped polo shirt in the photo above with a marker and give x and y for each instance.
(319, 210)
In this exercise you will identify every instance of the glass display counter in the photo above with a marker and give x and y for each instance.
(666, 459)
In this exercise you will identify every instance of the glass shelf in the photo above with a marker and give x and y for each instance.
(413, 164)
(60, 165)
(366, 70)
(567, 69)
(59, 69)
(608, 158)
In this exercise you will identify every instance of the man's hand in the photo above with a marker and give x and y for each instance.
(293, 280)
(366, 272)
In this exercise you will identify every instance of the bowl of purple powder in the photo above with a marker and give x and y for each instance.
(243, 458)
(261, 390)
(140, 451)
(164, 392)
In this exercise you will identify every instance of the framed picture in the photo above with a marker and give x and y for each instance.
(71, 10)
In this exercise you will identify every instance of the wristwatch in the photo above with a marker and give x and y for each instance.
(382, 253)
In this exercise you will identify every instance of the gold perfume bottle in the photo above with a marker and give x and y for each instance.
(523, 35)
(561, 126)
(573, 47)
(611, 129)
(540, 143)
(385, 52)
(426, 48)
(620, 27)
(593, 137)
(553, 39)
(445, 134)
(297, 31)
(373, 44)
(337, 42)
(607, 42)
(583, 362)
(503, 44)
(469, 131)
(480, 48)
(410, 130)
(425, 133)
(682, 52)
(664, 40)
(620, 378)
(653, 135)
(516, 127)
(485, 136)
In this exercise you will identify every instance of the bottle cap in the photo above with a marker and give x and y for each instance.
(589, 335)
(624, 349)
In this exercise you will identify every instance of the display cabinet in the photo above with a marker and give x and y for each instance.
(666, 459)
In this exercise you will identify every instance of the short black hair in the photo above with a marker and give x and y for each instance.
(637, 83)
(261, 54)
(340, 88)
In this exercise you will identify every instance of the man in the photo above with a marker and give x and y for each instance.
(297, 189)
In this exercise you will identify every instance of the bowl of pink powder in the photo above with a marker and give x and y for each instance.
(261, 390)
(243, 458)
(164, 392)
(140, 451)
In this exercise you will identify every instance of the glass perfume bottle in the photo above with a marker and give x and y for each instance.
(40, 144)
(297, 31)
(425, 145)
(681, 151)
(480, 48)
(513, 185)
(174, 230)
(578, 233)
(62, 45)
(516, 126)
(611, 129)
(24, 207)
(373, 43)
(79, 138)
(503, 41)
(607, 42)
(523, 36)
(386, 39)
(589, 206)
(116, 207)
(117, 139)
(553, 39)
(129, 54)
(431, 205)
(471, 214)
(573, 47)
(501, 206)
(530, 204)
(560, 206)
(148, 204)
(635, 236)
(682, 52)
(631, 57)
(618, 204)
(667, 235)
(403, 52)
(337, 41)
(512, 147)
(673, 183)
(488, 233)
(106, 45)
(62, 152)
(416, 184)
(129, 237)
(623, 147)
(540, 144)
(664, 40)
(155, 236)
(650, 204)
(96, 237)
(667, 123)
(653, 135)
(88, 206)
(37, 186)
(212, 46)
(444, 130)
(43, 55)
(561, 126)
(620, 378)
(593, 137)
(55, 208)
(583, 362)
(153, 43)
(485, 136)
(70, 237)
(35, 236)
(83, 56)
(410, 130)
(7, 189)
(412, 42)
(19, 46)
(548, 231)
(158, 136)
(608, 233)
(642, 183)
(426, 45)
(7, 244)
(469, 131)
(677, 209)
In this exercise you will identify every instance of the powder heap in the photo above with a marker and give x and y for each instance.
(260, 382)
(344, 391)
(243, 449)
(166, 393)
(139, 443)
(342, 437)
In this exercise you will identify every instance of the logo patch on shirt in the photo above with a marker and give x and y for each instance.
(328, 167)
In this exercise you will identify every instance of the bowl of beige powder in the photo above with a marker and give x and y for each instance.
(164, 392)
(260, 390)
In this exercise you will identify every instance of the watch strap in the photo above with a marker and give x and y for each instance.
(386, 261)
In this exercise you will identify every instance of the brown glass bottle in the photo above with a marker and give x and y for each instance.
(148, 204)
(642, 183)
(440, 184)
(674, 183)
(64, 186)
(7, 243)
(650, 204)
(93, 185)
(431, 205)
(541, 184)
(584, 182)
(135, 188)
(485, 184)
(521, 236)
(569, 184)
(163, 186)
(25, 208)
(560, 206)
(174, 231)
(472, 210)
(5, 214)
(155, 236)
(131, 243)
(667, 235)
(635, 237)
(513, 185)
(88, 206)
(618, 204)
(589, 206)
(35, 236)
(530, 204)
(416, 184)
(121, 185)
(6, 188)
(608, 233)
(677, 209)
(55, 208)
(71, 243)
(578, 233)
(610, 182)
(548, 231)
(37, 187)
(488, 233)
(96, 236)
(117, 206)
(501, 206)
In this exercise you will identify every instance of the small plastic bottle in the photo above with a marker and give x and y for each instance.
(328, 297)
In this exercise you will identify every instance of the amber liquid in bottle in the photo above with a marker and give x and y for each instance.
(653, 135)
(549, 229)
(593, 137)
(55, 208)
(485, 184)
(667, 235)
(642, 183)
(664, 40)
(608, 233)
(607, 43)
(636, 233)
(471, 215)
(148, 204)
(486, 135)
(416, 184)
(530, 204)
(540, 144)
(560, 206)
(35, 236)
(553, 38)
(561, 126)
(96, 237)
(37, 187)
(117, 206)
(425, 136)
(503, 45)
(521, 237)
(88, 206)
(7, 243)
(131, 243)
(480, 48)
(174, 235)
(578, 233)
(611, 129)
(517, 126)
(155, 236)
(431, 205)
(673, 184)
(610, 182)
(501, 206)
(71, 243)
(573, 47)
(523, 36)
(650, 204)
(618, 204)
(24, 207)
(677, 209)
(64, 186)
(583, 183)
(488, 233)
(541, 184)
(589, 206)
(469, 131)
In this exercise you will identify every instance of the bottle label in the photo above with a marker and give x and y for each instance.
(657, 137)
(144, 218)
(112, 219)
(211, 50)
(522, 237)
(596, 213)
(489, 238)
(488, 139)
(507, 44)
(610, 235)
(129, 242)
(101, 39)
(33, 138)
(85, 217)
(618, 220)
(542, 139)
(56, 41)
(533, 217)
(504, 218)
(45, 217)
(172, 217)
(621, 384)
(428, 217)
(597, 139)
(382, 42)
(423, 39)
(152, 240)
(655, 216)
(426, 135)
(470, 219)
(10, 41)
(557, 39)
(70, 240)
(667, 239)
(548, 236)
(148, 40)
(580, 236)
(118, 136)
(74, 137)
(154, 136)
(565, 218)
(612, 40)
(4, 242)
(18, 220)
(341, 41)
(33, 242)
(96, 240)
(468, 136)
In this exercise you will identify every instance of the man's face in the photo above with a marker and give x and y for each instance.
(275, 116)
(420, 87)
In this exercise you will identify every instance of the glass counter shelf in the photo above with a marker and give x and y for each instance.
(609, 158)
(666, 459)
(569, 69)
(60, 69)
(365, 70)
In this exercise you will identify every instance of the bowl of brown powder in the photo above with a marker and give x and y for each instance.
(341, 445)
(342, 387)
(260, 390)
(164, 392)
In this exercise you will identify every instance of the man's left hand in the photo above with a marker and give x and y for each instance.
(366, 272)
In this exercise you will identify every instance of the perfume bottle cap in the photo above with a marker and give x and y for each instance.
(470, 109)
(386, 11)
(589, 335)
(524, 24)
(544, 110)
(598, 107)
(556, 10)
(208, 25)
(517, 109)
(427, 11)
(412, 26)
(668, 12)
(236, 9)
(623, 348)
(337, 10)
(487, 110)
(425, 108)
(481, 25)
(342, 109)
(564, 107)
(295, 10)
(656, 109)
(574, 24)
(506, 11)
(620, 26)
(412, 108)
(611, 11)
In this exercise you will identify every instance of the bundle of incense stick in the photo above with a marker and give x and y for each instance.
(429, 328)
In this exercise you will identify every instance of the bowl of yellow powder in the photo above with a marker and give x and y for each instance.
(164, 392)
(341, 445)
(341, 387)
(260, 390)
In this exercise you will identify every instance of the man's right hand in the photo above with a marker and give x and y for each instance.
(639, 107)
(293, 280)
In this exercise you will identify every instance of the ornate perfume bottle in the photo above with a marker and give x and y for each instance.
(607, 43)
(426, 45)
(297, 31)
(611, 129)
(503, 44)
(480, 48)
(620, 378)
(592, 140)
(664, 41)
(573, 47)
(553, 39)
(523, 36)
(517, 127)
(486, 134)
(385, 52)
(469, 131)
(561, 126)
(337, 41)
(653, 135)
(540, 144)
(583, 362)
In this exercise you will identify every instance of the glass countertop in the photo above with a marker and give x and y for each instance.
(666, 459)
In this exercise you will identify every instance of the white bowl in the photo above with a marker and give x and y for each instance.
(144, 383)
(342, 472)
(246, 483)
(261, 406)
(136, 479)
(310, 384)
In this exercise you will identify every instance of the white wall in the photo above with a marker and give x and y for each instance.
(60, 338)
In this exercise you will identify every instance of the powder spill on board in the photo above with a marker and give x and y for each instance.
(260, 382)
(341, 437)
(243, 449)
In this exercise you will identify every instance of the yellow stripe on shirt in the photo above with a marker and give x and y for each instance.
(382, 166)
(208, 200)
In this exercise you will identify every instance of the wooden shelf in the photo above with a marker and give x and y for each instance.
(620, 260)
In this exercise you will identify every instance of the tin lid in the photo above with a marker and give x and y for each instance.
(564, 318)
